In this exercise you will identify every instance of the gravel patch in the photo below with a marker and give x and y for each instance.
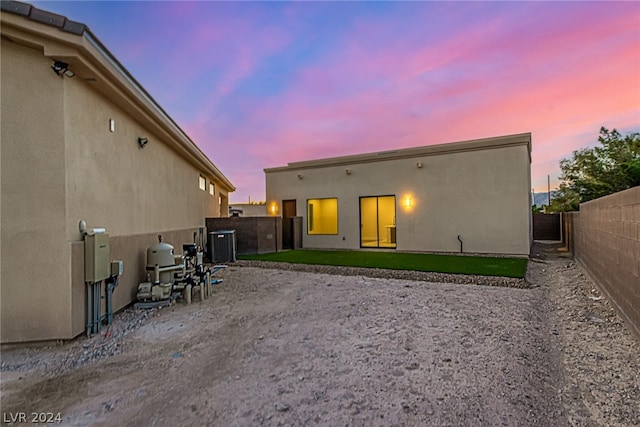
(61, 358)
(286, 344)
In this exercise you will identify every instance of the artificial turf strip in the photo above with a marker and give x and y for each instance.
(455, 264)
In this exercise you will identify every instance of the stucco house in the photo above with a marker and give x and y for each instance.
(469, 196)
(81, 139)
(247, 209)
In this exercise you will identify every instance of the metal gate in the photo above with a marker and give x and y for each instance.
(546, 226)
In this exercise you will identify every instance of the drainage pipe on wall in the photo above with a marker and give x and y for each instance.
(460, 240)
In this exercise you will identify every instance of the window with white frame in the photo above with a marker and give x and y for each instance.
(212, 188)
(203, 183)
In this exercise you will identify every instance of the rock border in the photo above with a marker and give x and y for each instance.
(421, 276)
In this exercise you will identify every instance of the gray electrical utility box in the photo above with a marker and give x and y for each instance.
(117, 268)
(97, 263)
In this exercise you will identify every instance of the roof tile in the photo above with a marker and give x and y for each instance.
(74, 27)
(43, 16)
(16, 7)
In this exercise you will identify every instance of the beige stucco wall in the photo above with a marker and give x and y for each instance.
(36, 258)
(482, 195)
(134, 193)
(62, 164)
(113, 183)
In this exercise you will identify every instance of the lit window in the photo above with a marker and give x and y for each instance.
(212, 188)
(203, 183)
(322, 216)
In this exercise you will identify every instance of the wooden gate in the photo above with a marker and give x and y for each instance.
(546, 226)
(288, 225)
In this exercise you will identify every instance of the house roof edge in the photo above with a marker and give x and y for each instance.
(404, 153)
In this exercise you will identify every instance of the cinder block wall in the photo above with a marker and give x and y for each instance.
(254, 235)
(606, 241)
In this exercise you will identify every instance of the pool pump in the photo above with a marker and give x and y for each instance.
(170, 276)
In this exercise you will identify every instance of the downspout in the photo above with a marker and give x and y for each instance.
(460, 240)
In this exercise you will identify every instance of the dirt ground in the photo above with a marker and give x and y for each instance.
(275, 347)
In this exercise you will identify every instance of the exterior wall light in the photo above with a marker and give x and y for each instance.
(348, 171)
(142, 142)
(274, 208)
(408, 202)
(299, 176)
(62, 69)
(419, 165)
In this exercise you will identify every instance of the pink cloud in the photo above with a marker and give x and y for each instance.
(477, 83)
(346, 78)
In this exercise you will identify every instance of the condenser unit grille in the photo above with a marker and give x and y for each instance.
(222, 246)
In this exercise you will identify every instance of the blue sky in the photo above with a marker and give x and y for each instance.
(261, 84)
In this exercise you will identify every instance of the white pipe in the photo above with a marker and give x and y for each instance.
(208, 283)
(187, 294)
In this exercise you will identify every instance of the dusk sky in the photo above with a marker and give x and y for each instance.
(260, 84)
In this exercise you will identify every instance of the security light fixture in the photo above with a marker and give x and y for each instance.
(142, 142)
(419, 165)
(299, 176)
(348, 171)
(62, 68)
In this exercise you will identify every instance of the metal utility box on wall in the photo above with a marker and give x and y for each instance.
(97, 263)
(222, 246)
(117, 268)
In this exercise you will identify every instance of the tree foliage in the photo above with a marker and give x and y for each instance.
(612, 166)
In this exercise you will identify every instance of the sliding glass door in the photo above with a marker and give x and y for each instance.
(378, 222)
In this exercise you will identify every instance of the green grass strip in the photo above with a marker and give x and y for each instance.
(455, 264)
